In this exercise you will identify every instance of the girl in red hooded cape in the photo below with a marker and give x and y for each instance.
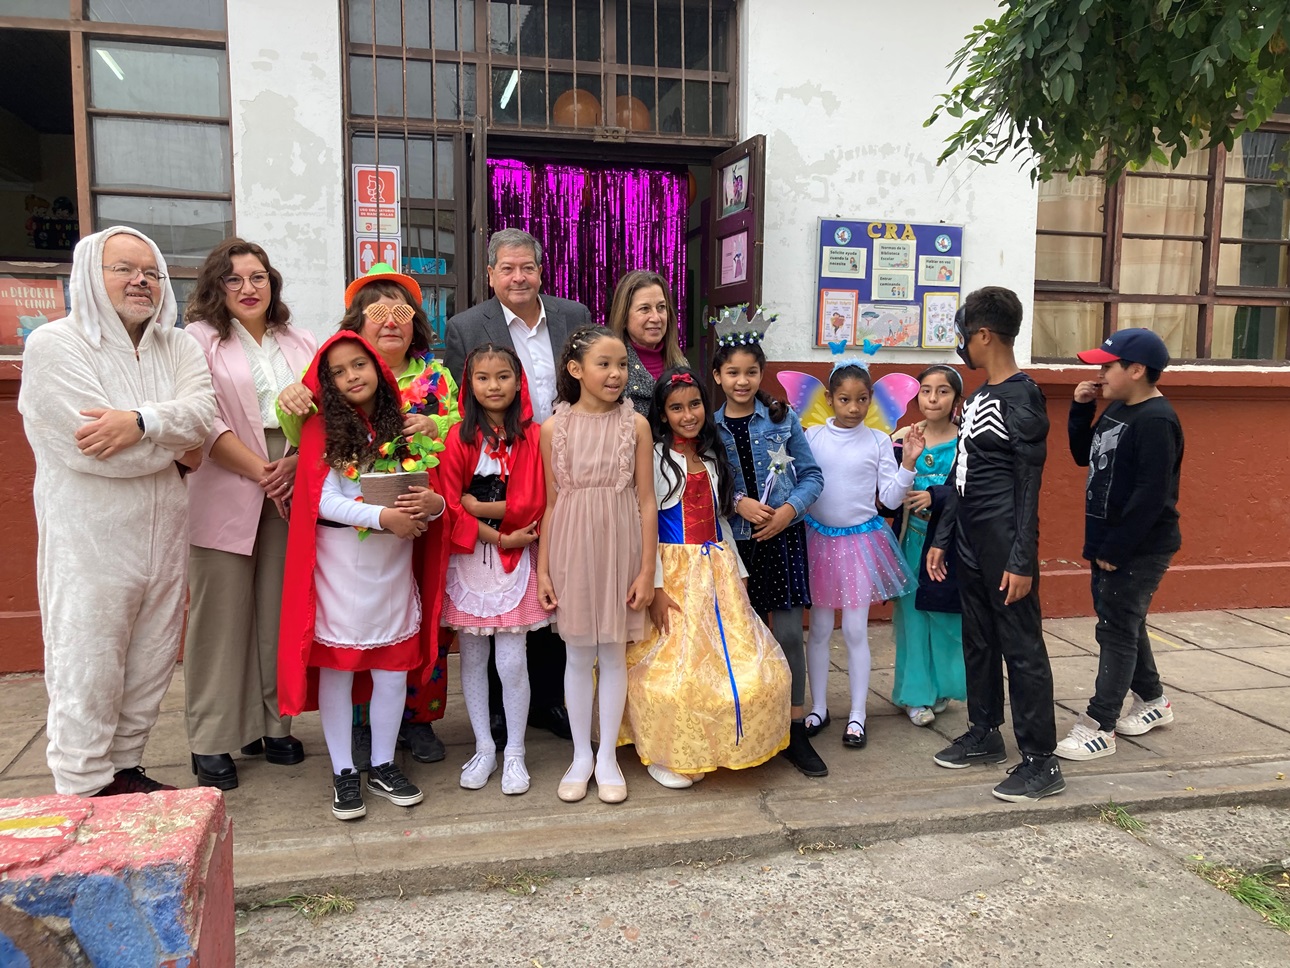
(492, 479)
(363, 584)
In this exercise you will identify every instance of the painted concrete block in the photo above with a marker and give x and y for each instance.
(136, 881)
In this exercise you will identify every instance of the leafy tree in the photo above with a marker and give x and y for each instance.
(1055, 82)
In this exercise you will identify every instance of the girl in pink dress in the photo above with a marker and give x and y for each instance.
(599, 538)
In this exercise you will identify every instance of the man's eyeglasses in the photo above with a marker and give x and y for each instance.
(258, 280)
(127, 273)
(380, 314)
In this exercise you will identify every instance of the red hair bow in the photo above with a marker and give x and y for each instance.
(682, 378)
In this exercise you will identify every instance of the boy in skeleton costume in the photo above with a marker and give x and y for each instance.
(112, 399)
(992, 513)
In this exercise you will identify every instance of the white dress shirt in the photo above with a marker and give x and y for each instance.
(533, 347)
(269, 370)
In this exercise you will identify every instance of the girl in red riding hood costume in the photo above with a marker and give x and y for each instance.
(493, 481)
(363, 584)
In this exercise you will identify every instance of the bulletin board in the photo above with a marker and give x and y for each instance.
(886, 283)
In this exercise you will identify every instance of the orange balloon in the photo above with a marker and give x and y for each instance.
(633, 114)
(692, 188)
(576, 108)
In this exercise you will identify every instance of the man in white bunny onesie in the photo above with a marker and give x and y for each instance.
(112, 398)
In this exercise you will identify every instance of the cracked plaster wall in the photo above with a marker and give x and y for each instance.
(288, 148)
(841, 89)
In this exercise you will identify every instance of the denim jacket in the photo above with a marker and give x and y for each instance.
(799, 485)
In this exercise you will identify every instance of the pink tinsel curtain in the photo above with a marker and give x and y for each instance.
(595, 225)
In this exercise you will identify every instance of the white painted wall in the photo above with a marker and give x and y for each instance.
(841, 89)
(288, 148)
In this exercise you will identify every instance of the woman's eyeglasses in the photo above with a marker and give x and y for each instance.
(258, 280)
(128, 273)
(380, 314)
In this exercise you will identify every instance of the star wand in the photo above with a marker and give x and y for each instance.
(779, 461)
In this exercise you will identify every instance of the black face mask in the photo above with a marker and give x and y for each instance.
(961, 334)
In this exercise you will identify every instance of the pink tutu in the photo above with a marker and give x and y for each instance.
(856, 566)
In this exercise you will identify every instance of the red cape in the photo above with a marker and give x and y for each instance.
(297, 682)
(525, 485)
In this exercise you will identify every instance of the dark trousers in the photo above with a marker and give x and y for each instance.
(994, 633)
(1121, 599)
(546, 672)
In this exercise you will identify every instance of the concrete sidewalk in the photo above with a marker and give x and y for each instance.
(1227, 673)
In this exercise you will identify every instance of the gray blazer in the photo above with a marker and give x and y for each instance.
(486, 323)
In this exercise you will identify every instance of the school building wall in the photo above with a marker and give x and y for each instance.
(840, 90)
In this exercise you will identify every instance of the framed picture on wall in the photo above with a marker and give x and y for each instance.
(734, 259)
(734, 187)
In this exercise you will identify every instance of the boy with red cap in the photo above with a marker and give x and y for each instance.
(1134, 453)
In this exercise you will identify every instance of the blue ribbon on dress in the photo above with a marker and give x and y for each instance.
(730, 669)
(873, 524)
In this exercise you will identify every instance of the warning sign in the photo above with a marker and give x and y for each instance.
(376, 200)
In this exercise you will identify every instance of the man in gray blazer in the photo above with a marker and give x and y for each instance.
(518, 316)
(535, 326)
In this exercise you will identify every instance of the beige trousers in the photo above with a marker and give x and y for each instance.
(231, 650)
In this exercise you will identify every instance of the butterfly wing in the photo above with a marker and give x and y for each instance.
(891, 396)
(806, 396)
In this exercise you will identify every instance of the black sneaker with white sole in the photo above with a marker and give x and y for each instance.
(347, 795)
(387, 780)
(1034, 778)
(980, 744)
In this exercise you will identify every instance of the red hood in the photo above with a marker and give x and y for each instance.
(314, 376)
(526, 403)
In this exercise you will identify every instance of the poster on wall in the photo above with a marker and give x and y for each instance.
(904, 277)
(376, 200)
(26, 304)
(938, 320)
(837, 316)
(734, 187)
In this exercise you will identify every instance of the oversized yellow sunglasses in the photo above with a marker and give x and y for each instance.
(380, 314)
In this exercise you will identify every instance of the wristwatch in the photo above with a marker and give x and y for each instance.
(138, 421)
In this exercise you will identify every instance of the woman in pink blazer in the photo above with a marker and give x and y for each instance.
(237, 515)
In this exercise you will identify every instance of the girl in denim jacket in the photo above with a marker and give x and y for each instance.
(776, 480)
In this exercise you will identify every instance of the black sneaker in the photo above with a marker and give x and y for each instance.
(347, 796)
(980, 744)
(388, 781)
(361, 744)
(419, 740)
(801, 753)
(132, 780)
(1031, 779)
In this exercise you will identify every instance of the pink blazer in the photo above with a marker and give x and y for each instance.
(223, 507)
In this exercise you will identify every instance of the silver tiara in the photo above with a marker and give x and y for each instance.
(735, 328)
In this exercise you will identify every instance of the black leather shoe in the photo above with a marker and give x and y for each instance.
(553, 718)
(218, 771)
(278, 750)
(853, 739)
(497, 726)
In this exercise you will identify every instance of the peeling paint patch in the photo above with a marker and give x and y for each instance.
(808, 92)
(299, 175)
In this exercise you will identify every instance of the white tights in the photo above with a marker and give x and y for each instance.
(855, 632)
(336, 708)
(512, 669)
(584, 662)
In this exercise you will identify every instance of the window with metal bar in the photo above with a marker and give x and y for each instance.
(1199, 253)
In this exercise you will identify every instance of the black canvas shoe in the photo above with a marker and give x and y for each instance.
(419, 740)
(1033, 778)
(980, 744)
(801, 753)
(347, 795)
(387, 780)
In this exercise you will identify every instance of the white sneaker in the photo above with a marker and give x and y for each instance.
(921, 715)
(1144, 716)
(673, 781)
(1086, 741)
(477, 770)
(515, 775)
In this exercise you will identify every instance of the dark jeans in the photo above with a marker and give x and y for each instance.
(546, 672)
(1121, 599)
(994, 634)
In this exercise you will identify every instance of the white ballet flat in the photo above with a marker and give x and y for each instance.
(665, 777)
